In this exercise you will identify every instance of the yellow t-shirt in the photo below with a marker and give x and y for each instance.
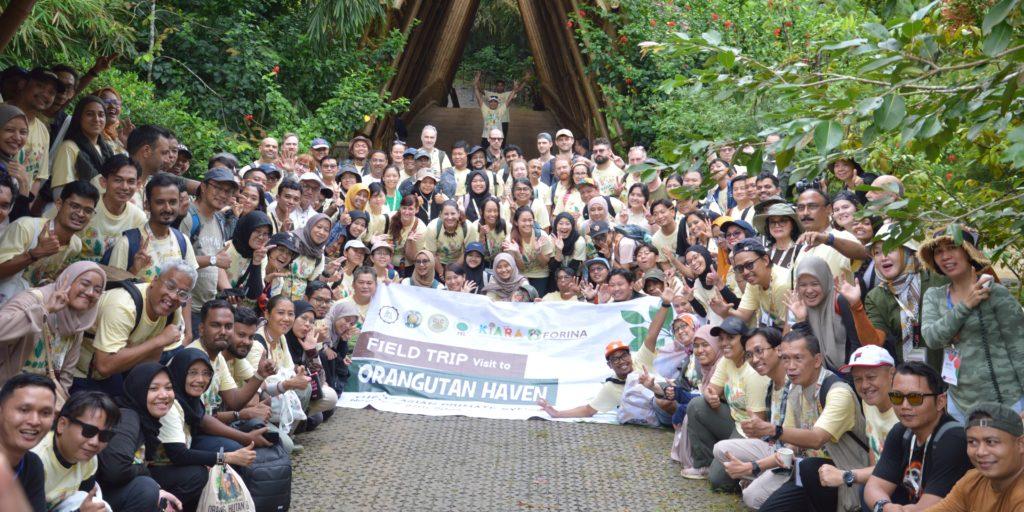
(537, 206)
(279, 355)
(447, 247)
(491, 242)
(666, 244)
(399, 259)
(22, 235)
(37, 150)
(557, 297)
(64, 158)
(769, 304)
(566, 202)
(611, 393)
(303, 270)
(877, 426)
(160, 250)
(742, 388)
(241, 370)
(837, 418)
(460, 181)
(114, 328)
(378, 223)
(538, 246)
(221, 381)
(608, 179)
(173, 429)
(837, 263)
(62, 482)
(105, 229)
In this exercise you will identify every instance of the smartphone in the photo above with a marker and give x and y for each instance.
(986, 281)
(273, 437)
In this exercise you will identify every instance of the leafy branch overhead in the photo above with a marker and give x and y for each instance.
(931, 95)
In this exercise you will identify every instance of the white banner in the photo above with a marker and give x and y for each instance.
(440, 353)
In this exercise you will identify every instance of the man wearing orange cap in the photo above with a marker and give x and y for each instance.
(622, 362)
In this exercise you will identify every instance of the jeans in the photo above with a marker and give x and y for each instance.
(141, 494)
(810, 495)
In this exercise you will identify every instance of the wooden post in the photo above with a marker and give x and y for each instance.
(12, 18)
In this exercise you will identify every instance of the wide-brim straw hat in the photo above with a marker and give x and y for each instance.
(926, 254)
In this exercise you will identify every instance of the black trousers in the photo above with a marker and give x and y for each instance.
(811, 495)
(185, 482)
(141, 494)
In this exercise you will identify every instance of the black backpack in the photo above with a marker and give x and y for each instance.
(269, 479)
(134, 237)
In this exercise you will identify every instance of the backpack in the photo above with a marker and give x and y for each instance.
(826, 385)
(131, 287)
(134, 237)
(269, 479)
(635, 232)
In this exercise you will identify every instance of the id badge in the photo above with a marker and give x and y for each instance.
(917, 354)
(950, 365)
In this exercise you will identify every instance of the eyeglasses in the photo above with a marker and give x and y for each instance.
(620, 357)
(174, 290)
(739, 269)
(422, 262)
(779, 222)
(915, 399)
(91, 431)
(200, 373)
(809, 207)
(112, 101)
(759, 352)
(734, 234)
(77, 208)
(319, 300)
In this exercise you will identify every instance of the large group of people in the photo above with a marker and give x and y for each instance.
(157, 325)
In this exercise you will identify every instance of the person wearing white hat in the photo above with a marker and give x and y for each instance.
(356, 253)
(563, 142)
(872, 368)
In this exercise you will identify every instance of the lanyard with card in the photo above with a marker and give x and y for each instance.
(951, 354)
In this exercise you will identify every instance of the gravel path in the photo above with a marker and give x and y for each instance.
(378, 461)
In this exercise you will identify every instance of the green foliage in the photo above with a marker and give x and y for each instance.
(932, 96)
(70, 31)
(497, 45)
(143, 106)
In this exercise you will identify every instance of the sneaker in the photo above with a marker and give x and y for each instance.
(695, 473)
(297, 449)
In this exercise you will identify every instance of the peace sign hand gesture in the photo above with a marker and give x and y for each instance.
(57, 300)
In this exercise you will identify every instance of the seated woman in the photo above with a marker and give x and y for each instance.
(423, 273)
(455, 279)
(567, 287)
(311, 241)
(706, 284)
(248, 254)
(506, 279)
(181, 429)
(342, 321)
(303, 341)
(124, 469)
(281, 251)
(380, 258)
(43, 326)
(475, 268)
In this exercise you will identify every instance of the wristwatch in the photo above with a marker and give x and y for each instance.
(880, 504)
(778, 433)
(755, 468)
(848, 478)
(213, 260)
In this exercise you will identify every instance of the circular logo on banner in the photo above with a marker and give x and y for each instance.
(413, 319)
(462, 326)
(388, 314)
(438, 323)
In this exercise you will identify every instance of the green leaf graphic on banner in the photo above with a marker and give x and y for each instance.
(632, 317)
(639, 333)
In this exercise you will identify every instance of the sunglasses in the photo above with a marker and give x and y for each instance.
(91, 431)
(915, 399)
(746, 267)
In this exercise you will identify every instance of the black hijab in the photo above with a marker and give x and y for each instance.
(294, 345)
(136, 389)
(178, 367)
(569, 247)
(243, 230)
(476, 274)
(475, 202)
(709, 264)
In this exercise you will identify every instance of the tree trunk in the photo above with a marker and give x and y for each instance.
(12, 18)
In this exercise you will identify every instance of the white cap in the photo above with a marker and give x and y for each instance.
(563, 131)
(869, 356)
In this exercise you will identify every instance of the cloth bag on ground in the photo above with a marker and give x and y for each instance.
(225, 492)
(636, 405)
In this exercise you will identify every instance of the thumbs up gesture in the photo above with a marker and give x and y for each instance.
(91, 504)
(736, 468)
(223, 259)
(47, 243)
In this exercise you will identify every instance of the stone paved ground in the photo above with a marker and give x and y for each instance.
(377, 461)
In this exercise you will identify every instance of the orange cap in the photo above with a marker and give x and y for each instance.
(614, 346)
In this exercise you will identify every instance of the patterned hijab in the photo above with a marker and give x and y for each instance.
(304, 237)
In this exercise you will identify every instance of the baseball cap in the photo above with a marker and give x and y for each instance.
(355, 244)
(587, 181)
(319, 143)
(492, 98)
(721, 219)
(286, 240)
(731, 325)
(749, 244)
(269, 170)
(475, 247)
(598, 228)
(312, 176)
(563, 131)
(1000, 417)
(425, 173)
(45, 75)
(380, 244)
(740, 223)
(544, 135)
(614, 347)
(183, 150)
(409, 152)
(655, 273)
(422, 153)
(221, 174)
(868, 356)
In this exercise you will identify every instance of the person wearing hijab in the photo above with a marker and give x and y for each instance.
(506, 279)
(357, 198)
(429, 199)
(831, 309)
(43, 327)
(694, 379)
(423, 272)
(474, 265)
(342, 321)
(302, 340)
(13, 137)
(82, 153)
(126, 480)
(247, 252)
(701, 264)
(478, 189)
(309, 265)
